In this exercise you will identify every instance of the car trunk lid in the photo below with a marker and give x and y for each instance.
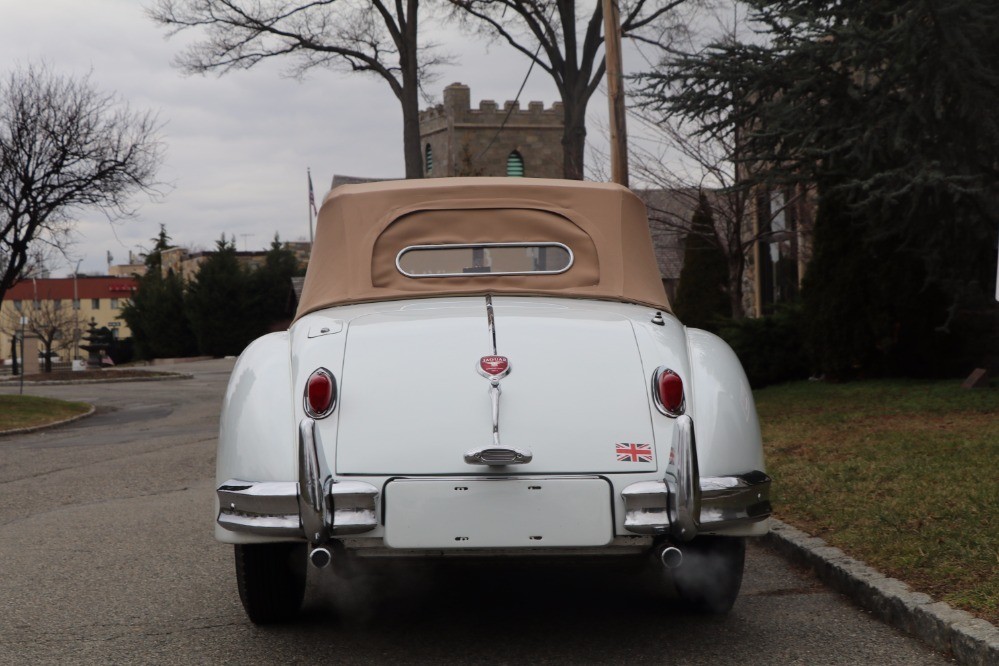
(413, 402)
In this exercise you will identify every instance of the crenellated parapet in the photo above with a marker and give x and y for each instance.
(460, 140)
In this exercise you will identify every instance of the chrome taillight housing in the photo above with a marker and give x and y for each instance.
(667, 392)
(320, 394)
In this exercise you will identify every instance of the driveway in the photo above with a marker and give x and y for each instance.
(108, 557)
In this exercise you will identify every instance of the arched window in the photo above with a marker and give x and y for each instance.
(428, 160)
(515, 165)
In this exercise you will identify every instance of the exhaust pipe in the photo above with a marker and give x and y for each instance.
(320, 558)
(671, 557)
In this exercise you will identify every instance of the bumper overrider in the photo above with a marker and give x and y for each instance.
(318, 508)
(315, 507)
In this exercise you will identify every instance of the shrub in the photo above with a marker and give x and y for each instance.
(770, 347)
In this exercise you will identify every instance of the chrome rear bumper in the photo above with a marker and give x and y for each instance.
(317, 509)
(725, 502)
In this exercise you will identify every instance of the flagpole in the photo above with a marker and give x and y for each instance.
(311, 204)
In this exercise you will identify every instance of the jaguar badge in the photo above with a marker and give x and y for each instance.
(494, 367)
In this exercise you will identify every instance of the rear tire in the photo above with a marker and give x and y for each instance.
(271, 580)
(710, 576)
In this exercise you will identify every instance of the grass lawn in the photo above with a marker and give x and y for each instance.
(25, 411)
(903, 475)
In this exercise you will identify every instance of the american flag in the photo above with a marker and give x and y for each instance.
(312, 195)
(634, 452)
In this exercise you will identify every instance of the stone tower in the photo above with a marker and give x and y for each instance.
(461, 141)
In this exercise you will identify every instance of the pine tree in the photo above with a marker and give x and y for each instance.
(273, 283)
(222, 305)
(701, 301)
(156, 313)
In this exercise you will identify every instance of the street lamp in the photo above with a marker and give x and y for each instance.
(76, 314)
(24, 322)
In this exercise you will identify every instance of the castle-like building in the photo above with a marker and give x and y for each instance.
(488, 141)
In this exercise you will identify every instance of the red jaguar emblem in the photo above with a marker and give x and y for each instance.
(494, 366)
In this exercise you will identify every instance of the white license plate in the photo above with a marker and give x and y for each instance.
(498, 513)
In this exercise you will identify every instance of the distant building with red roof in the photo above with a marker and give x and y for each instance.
(86, 297)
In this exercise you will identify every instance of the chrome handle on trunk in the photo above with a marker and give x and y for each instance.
(498, 456)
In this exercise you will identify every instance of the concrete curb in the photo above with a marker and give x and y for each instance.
(972, 641)
(46, 426)
(109, 380)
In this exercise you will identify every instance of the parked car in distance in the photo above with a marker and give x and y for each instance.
(487, 367)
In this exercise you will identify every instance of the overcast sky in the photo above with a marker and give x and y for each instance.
(237, 146)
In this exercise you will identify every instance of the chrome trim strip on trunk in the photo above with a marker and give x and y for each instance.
(491, 320)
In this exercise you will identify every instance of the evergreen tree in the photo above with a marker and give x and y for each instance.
(273, 283)
(154, 260)
(222, 305)
(156, 313)
(889, 107)
(701, 301)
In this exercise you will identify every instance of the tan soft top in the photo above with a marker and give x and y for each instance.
(362, 229)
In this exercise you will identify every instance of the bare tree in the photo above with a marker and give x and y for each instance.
(53, 322)
(546, 32)
(685, 164)
(64, 146)
(688, 165)
(371, 36)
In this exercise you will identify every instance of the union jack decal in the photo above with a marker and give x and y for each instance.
(634, 452)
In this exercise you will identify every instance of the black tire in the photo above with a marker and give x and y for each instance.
(710, 576)
(271, 580)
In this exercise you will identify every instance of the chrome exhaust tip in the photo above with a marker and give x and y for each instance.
(320, 558)
(671, 557)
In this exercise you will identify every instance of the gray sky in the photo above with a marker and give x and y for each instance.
(237, 146)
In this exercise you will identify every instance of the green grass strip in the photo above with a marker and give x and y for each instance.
(901, 474)
(28, 411)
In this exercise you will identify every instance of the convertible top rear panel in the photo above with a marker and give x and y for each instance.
(362, 229)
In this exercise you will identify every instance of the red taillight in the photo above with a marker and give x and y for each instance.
(668, 388)
(320, 394)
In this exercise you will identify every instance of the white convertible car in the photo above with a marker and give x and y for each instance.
(487, 367)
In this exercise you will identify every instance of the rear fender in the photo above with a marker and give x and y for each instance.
(728, 430)
(257, 431)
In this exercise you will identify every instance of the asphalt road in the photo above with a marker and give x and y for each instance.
(107, 556)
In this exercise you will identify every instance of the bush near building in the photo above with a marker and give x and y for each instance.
(770, 348)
